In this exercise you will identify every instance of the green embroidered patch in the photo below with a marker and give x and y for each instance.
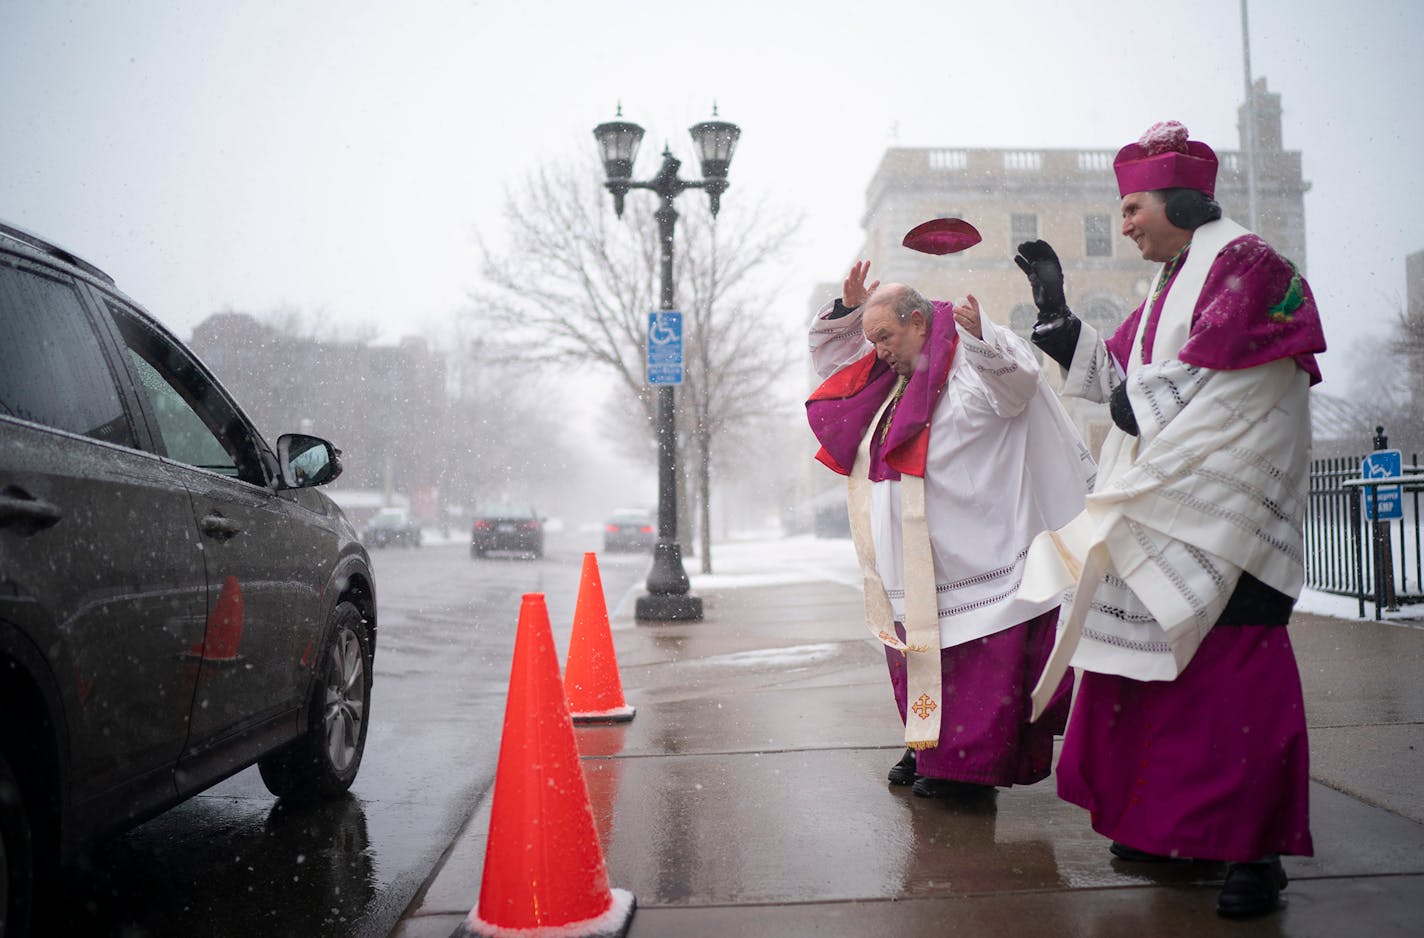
(1284, 311)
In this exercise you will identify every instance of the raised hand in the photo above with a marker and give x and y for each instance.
(855, 292)
(966, 314)
(1045, 275)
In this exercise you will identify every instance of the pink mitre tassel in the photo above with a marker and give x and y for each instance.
(1164, 137)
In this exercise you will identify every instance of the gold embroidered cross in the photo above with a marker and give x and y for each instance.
(924, 707)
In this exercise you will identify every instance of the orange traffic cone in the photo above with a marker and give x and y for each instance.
(591, 672)
(544, 870)
(224, 631)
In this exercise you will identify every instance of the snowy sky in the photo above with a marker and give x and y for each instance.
(337, 157)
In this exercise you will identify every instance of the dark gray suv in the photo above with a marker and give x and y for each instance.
(177, 601)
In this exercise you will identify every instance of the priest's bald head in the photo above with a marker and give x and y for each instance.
(896, 320)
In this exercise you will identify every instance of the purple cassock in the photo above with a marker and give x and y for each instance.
(986, 737)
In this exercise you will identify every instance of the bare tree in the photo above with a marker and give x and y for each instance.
(738, 355)
(1386, 377)
(574, 285)
(499, 444)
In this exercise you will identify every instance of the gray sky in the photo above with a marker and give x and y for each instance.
(336, 157)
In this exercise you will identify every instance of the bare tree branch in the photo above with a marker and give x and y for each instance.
(574, 287)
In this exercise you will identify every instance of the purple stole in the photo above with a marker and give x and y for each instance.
(841, 409)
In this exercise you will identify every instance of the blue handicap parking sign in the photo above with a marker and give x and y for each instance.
(665, 347)
(1386, 505)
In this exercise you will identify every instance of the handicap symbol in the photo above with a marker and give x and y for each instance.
(661, 334)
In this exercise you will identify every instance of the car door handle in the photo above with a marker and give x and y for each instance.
(219, 527)
(19, 509)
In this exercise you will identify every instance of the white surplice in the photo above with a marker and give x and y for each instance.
(1214, 484)
(1003, 464)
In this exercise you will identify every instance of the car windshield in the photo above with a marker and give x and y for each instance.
(387, 518)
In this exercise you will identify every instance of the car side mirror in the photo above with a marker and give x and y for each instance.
(305, 461)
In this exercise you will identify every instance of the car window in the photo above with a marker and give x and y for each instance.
(196, 423)
(52, 367)
(185, 436)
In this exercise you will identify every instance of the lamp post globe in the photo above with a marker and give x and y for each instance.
(668, 597)
(618, 142)
(716, 142)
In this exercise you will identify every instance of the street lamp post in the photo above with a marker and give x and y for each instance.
(667, 597)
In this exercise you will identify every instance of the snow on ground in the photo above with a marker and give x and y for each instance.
(1328, 604)
(767, 560)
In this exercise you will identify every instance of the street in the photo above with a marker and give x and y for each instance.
(232, 861)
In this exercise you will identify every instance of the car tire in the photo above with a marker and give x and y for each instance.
(323, 762)
(17, 856)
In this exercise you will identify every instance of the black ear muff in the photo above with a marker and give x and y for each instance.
(1190, 209)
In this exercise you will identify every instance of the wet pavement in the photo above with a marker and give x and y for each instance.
(748, 797)
(234, 862)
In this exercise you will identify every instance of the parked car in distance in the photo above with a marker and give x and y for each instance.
(179, 602)
(391, 527)
(507, 526)
(630, 529)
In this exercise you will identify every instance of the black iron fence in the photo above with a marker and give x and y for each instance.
(1346, 553)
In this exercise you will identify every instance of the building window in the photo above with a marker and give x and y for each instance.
(1097, 235)
(1095, 161)
(949, 160)
(1023, 226)
(1023, 161)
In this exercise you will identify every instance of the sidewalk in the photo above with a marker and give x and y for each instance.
(748, 795)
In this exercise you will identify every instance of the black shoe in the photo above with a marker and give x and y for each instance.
(1133, 855)
(1251, 888)
(903, 772)
(927, 787)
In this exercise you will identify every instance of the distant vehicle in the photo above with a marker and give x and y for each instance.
(509, 526)
(178, 602)
(630, 529)
(391, 527)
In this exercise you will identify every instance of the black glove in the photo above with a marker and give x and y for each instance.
(1121, 410)
(1045, 275)
(1056, 331)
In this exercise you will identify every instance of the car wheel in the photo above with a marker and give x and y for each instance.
(323, 762)
(16, 856)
